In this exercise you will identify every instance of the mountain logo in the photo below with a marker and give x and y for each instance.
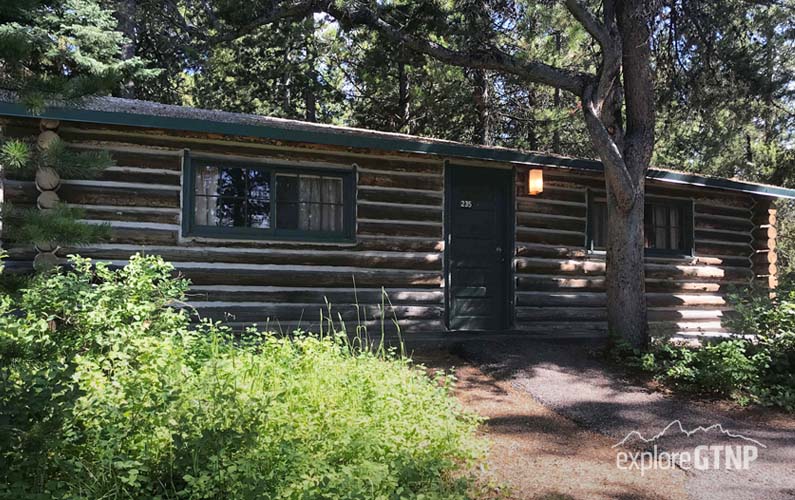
(678, 424)
(738, 456)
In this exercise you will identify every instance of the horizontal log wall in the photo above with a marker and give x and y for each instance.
(279, 285)
(560, 287)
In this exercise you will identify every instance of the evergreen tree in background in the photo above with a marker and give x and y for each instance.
(726, 90)
(283, 71)
(65, 49)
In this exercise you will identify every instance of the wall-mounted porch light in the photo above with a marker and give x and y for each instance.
(535, 181)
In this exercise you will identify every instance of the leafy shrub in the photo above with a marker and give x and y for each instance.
(771, 320)
(109, 392)
(758, 365)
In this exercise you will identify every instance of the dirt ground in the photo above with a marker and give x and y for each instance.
(537, 454)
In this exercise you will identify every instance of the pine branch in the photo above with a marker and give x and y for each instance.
(60, 226)
(72, 164)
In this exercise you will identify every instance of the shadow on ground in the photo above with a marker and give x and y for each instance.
(569, 378)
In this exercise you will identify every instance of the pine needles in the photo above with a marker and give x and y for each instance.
(58, 226)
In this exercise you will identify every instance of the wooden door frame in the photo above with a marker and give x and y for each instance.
(510, 241)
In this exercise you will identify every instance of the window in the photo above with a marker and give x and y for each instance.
(667, 225)
(225, 199)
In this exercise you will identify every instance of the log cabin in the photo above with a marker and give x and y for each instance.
(273, 219)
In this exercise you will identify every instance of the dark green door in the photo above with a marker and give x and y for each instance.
(479, 232)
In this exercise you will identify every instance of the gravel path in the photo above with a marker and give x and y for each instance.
(569, 379)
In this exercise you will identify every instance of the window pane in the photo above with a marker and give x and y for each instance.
(206, 181)
(332, 218)
(599, 222)
(332, 207)
(259, 213)
(665, 226)
(259, 184)
(231, 212)
(310, 189)
(309, 202)
(675, 238)
(287, 200)
(220, 212)
(309, 216)
(673, 217)
(232, 182)
(204, 210)
(287, 216)
(332, 190)
(648, 226)
(287, 188)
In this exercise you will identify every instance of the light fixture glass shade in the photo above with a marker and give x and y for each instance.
(535, 182)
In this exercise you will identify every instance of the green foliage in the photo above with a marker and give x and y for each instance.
(283, 71)
(71, 164)
(20, 158)
(725, 93)
(109, 392)
(64, 49)
(318, 69)
(756, 366)
(60, 225)
(771, 319)
(15, 155)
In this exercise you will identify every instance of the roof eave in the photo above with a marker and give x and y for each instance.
(383, 142)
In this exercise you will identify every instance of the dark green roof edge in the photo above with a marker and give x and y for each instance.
(379, 141)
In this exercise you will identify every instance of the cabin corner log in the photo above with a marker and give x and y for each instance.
(47, 181)
(764, 234)
(47, 124)
(558, 284)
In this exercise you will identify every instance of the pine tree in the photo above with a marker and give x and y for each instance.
(63, 49)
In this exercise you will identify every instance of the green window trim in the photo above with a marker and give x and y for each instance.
(687, 247)
(190, 229)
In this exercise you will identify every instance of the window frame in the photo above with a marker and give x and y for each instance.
(688, 225)
(191, 229)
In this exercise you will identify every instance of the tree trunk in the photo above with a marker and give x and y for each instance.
(626, 247)
(626, 286)
(532, 136)
(404, 100)
(125, 18)
(310, 103)
(287, 81)
(480, 94)
(556, 103)
(312, 85)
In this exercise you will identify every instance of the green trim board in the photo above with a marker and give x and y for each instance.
(132, 113)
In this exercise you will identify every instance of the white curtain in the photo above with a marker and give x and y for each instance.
(205, 205)
(320, 203)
